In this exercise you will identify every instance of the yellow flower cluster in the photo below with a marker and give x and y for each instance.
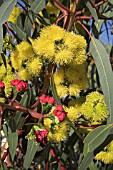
(26, 63)
(6, 75)
(106, 155)
(59, 46)
(94, 108)
(14, 15)
(57, 132)
(70, 79)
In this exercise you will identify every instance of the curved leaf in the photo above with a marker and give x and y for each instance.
(101, 59)
(97, 136)
(6, 9)
(37, 6)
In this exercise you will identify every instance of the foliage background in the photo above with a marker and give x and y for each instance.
(20, 111)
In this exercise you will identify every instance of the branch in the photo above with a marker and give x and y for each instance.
(84, 10)
(83, 26)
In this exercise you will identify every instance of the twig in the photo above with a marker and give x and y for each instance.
(83, 26)
(55, 156)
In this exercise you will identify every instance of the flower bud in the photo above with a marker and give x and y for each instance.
(20, 85)
(41, 135)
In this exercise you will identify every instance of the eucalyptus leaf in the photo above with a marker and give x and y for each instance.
(97, 136)
(37, 6)
(1, 38)
(93, 11)
(12, 137)
(86, 161)
(32, 148)
(6, 9)
(103, 65)
(21, 34)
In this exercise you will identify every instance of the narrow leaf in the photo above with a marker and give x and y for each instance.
(28, 24)
(32, 148)
(12, 137)
(44, 153)
(86, 161)
(6, 9)
(1, 38)
(25, 101)
(103, 65)
(97, 136)
(18, 31)
(37, 6)
(93, 11)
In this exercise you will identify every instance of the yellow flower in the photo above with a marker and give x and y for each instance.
(63, 57)
(74, 89)
(47, 123)
(26, 63)
(53, 33)
(62, 90)
(25, 50)
(24, 74)
(94, 109)
(2, 99)
(73, 113)
(59, 132)
(14, 15)
(59, 76)
(74, 41)
(44, 47)
(7, 81)
(14, 58)
(106, 155)
(34, 66)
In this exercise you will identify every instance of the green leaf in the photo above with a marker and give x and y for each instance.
(25, 101)
(12, 137)
(111, 1)
(18, 31)
(44, 153)
(53, 89)
(103, 65)
(97, 136)
(6, 9)
(28, 24)
(89, 156)
(37, 6)
(93, 11)
(1, 38)
(86, 161)
(93, 166)
(32, 148)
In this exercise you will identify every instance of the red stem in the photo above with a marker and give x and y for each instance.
(10, 30)
(83, 17)
(96, 5)
(59, 163)
(62, 8)
(85, 29)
